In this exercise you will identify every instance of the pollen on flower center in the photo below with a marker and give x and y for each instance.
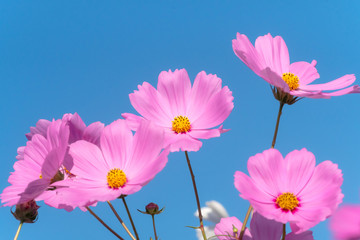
(291, 80)
(287, 201)
(181, 124)
(116, 178)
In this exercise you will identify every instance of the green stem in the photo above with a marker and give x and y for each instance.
(277, 124)
(131, 220)
(153, 219)
(120, 220)
(197, 196)
(103, 223)
(18, 231)
(284, 231)
(242, 232)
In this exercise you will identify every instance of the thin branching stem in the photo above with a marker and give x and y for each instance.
(120, 220)
(197, 196)
(103, 223)
(153, 219)
(131, 220)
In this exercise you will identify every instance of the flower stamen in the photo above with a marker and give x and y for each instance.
(181, 124)
(287, 201)
(116, 178)
(291, 80)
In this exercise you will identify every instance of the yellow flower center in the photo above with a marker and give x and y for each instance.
(181, 124)
(287, 201)
(291, 80)
(116, 178)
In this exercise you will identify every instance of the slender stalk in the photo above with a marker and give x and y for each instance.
(103, 223)
(131, 220)
(197, 196)
(120, 220)
(277, 124)
(242, 232)
(284, 232)
(18, 231)
(153, 218)
(272, 146)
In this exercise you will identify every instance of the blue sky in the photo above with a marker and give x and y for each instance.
(61, 57)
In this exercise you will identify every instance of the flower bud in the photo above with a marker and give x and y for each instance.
(152, 209)
(26, 212)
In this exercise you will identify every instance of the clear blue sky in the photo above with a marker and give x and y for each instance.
(61, 57)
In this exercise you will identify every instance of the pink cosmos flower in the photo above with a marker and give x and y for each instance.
(345, 223)
(38, 156)
(260, 229)
(270, 60)
(291, 189)
(122, 164)
(43, 158)
(185, 112)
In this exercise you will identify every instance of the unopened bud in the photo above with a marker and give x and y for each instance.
(26, 212)
(152, 209)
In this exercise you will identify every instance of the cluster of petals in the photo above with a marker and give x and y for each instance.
(121, 165)
(291, 189)
(345, 222)
(269, 59)
(260, 229)
(186, 113)
(45, 160)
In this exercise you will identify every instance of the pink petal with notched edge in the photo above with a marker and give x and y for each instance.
(215, 111)
(132, 120)
(183, 142)
(300, 167)
(41, 128)
(89, 162)
(265, 229)
(274, 52)
(345, 222)
(20, 152)
(145, 151)
(224, 229)
(36, 149)
(268, 171)
(339, 83)
(175, 88)
(248, 54)
(151, 105)
(76, 125)
(249, 191)
(207, 133)
(92, 133)
(204, 88)
(319, 94)
(57, 137)
(322, 195)
(305, 71)
(116, 144)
